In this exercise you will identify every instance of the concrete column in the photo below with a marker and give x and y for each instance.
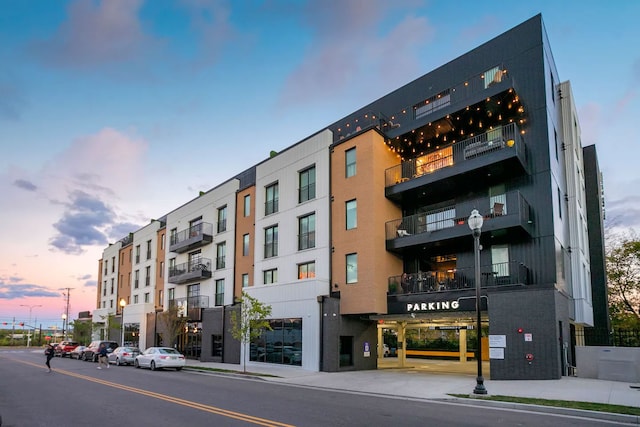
(462, 341)
(402, 345)
(380, 342)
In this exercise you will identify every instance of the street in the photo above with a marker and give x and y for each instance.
(76, 393)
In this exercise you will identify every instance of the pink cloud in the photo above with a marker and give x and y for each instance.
(96, 33)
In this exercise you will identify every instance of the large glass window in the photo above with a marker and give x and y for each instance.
(351, 208)
(500, 260)
(352, 268)
(271, 199)
(136, 279)
(271, 241)
(307, 183)
(270, 276)
(219, 292)
(247, 205)
(222, 219)
(307, 270)
(307, 232)
(245, 245)
(221, 252)
(281, 345)
(350, 162)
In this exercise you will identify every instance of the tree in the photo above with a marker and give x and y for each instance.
(623, 276)
(82, 331)
(170, 325)
(251, 322)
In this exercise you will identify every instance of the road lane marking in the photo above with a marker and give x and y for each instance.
(176, 400)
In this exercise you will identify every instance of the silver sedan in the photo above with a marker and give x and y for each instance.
(159, 358)
(123, 355)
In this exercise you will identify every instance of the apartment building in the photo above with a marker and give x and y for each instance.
(359, 234)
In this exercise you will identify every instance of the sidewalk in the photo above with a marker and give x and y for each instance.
(417, 383)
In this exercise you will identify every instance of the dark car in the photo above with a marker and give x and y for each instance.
(91, 352)
(77, 352)
(65, 348)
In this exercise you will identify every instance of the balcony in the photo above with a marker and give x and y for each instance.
(193, 237)
(190, 307)
(191, 271)
(501, 274)
(499, 153)
(509, 211)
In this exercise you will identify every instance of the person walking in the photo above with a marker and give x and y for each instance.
(102, 356)
(49, 352)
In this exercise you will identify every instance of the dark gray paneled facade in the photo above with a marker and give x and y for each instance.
(217, 321)
(541, 305)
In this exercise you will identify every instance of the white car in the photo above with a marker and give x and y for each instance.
(159, 358)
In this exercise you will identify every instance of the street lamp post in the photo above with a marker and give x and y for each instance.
(31, 307)
(475, 224)
(65, 326)
(123, 304)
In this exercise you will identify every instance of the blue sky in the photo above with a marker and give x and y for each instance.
(116, 112)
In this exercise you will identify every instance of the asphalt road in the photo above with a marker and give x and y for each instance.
(76, 393)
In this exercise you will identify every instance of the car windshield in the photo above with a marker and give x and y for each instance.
(168, 351)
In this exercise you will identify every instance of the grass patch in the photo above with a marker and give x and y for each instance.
(227, 371)
(587, 406)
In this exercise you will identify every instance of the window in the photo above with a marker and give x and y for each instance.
(351, 209)
(307, 184)
(271, 199)
(222, 219)
(146, 297)
(500, 261)
(113, 264)
(281, 344)
(129, 279)
(162, 240)
(247, 205)
(160, 295)
(172, 294)
(147, 278)
(112, 283)
(307, 232)
(350, 162)
(137, 254)
(148, 249)
(195, 259)
(193, 290)
(104, 289)
(221, 251)
(172, 266)
(307, 270)
(271, 241)
(136, 279)
(161, 268)
(245, 245)
(220, 292)
(106, 266)
(135, 299)
(173, 239)
(270, 276)
(245, 280)
(559, 203)
(195, 227)
(121, 259)
(492, 77)
(216, 350)
(352, 268)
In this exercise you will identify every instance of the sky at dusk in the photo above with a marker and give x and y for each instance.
(116, 112)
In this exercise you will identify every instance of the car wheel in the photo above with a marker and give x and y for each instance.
(136, 364)
(117, 361)
(153, 365)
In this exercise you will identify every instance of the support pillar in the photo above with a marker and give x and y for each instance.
(462, 342)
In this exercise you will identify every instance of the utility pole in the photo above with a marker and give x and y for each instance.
(65, 320)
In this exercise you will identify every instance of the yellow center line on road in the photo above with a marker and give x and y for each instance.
(176, 400)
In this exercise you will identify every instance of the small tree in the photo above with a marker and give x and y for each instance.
(623, 274)
(250, 323)
(82, 331)
(171, 324)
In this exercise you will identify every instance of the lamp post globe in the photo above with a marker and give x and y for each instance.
(475, 224)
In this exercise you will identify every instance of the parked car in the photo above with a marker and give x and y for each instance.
(91, 352)
(160, 357)
(64, 348)
(77, 352)
(123, 355)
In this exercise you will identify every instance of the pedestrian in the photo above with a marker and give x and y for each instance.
(102, 356)
(49, 352)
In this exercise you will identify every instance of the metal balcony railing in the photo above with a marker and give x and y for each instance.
(500, 138)
(196, 235)
(195, 269)
(499, 274)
